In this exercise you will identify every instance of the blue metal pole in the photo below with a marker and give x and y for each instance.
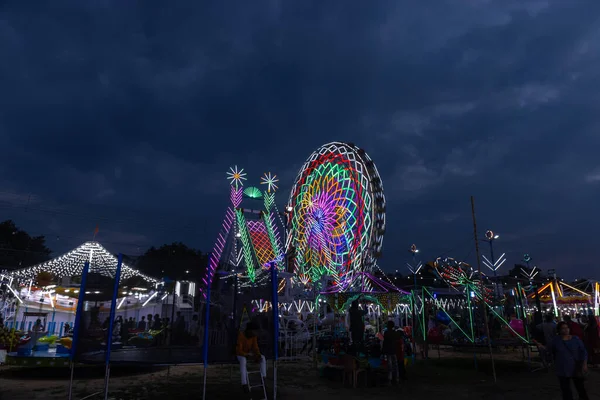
(275, 309)
(111, 322)
(79, 311)
(77, 324)
(414, 306)
(206, 320)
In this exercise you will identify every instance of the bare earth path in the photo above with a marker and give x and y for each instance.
(446, 378)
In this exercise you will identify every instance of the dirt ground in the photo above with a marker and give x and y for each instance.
(452, 376)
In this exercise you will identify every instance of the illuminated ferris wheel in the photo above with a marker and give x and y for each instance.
(337, 215)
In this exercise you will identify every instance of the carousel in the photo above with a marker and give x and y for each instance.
(41, 302)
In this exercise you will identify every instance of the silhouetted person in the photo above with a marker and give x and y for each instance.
(357, 325)
(592, 340)
(390, 350)
(179, 328)
(574, 327)
(157, 324)
(149, 325)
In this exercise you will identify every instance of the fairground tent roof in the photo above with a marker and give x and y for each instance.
(71, 264)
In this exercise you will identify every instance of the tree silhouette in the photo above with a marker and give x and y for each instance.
(18, 249)
(175, 261)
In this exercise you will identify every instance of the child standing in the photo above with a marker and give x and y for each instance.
(390, 349)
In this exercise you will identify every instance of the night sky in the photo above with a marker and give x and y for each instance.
(127, 115)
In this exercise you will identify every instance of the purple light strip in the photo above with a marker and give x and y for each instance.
(215, 256)
(236, 196)
(386, 285)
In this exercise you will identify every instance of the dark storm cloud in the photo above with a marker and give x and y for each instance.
(131, 113)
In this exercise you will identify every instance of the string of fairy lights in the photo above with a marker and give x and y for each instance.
(72, 263)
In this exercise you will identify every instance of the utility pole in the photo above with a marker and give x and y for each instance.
(483, 304)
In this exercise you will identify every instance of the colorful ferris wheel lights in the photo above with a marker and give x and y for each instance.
(337, 214)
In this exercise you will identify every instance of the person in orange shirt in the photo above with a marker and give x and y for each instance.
(247, 347)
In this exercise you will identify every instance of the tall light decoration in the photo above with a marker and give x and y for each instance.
(415, 267)
(494, 264)
(270, 180)
(337, 216)
(531, 276)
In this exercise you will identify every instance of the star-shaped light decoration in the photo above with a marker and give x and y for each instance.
(236, 176)
(270, 180)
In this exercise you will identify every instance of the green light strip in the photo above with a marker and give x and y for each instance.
(269, 200)
(243, 229)
(452, 319)
(272, 238)
(522, 297)
(423, 322)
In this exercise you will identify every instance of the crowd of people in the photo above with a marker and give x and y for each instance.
(585, 328)
(180, 333)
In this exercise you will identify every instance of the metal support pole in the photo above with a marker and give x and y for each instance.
(275, 309)
(206, 321)
(414, 309)
(77, 324)
(113, 306)
(483, 304)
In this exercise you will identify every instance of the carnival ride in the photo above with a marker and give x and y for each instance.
(337, 217)
(49, 293)
(53, 285)
(238, 281)
(474, 297)
(250, 238)
(561, 297)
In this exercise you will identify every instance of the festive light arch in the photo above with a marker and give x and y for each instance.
(337, 214)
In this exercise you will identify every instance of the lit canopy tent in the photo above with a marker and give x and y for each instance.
(71, 264)
(564, 296)
(30, 288)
